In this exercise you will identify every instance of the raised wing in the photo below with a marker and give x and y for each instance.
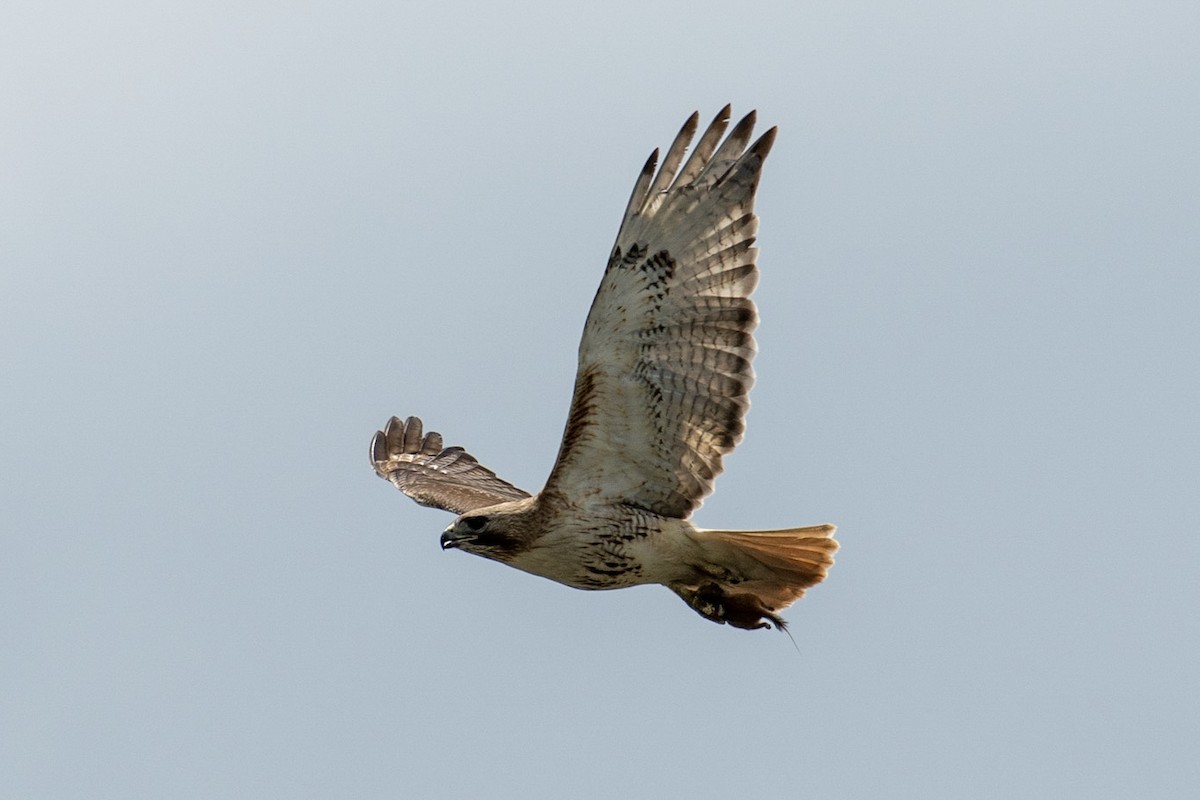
(664, 364)
(448, 478)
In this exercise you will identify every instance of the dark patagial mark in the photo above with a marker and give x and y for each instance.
(582, 407)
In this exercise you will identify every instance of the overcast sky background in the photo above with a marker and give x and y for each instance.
(236, 238)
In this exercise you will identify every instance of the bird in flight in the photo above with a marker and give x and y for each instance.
(660, 396)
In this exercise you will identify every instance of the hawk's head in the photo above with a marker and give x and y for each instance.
(497, 532)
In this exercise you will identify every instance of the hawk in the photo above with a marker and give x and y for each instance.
(660, 396)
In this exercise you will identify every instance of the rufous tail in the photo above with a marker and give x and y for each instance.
(748, 577)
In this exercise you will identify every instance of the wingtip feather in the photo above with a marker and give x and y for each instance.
(637, 198)
(651, 163)
(762, 147)
(378, 451)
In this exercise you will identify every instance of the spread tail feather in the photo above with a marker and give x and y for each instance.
(745, 578)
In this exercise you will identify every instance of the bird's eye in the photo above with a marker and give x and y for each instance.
(475, 523)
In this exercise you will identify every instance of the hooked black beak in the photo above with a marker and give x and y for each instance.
(450, 539)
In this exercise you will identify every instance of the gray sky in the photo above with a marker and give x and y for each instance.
(235, 240)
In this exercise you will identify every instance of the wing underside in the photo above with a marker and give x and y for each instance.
(665, 360)
(440, 477)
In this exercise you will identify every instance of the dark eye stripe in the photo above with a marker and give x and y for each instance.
(475, 523)
(494, 543)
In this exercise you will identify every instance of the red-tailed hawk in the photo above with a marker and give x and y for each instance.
(664, 374)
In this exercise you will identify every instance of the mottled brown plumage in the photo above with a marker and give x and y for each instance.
(660, 396)
(448, 478)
